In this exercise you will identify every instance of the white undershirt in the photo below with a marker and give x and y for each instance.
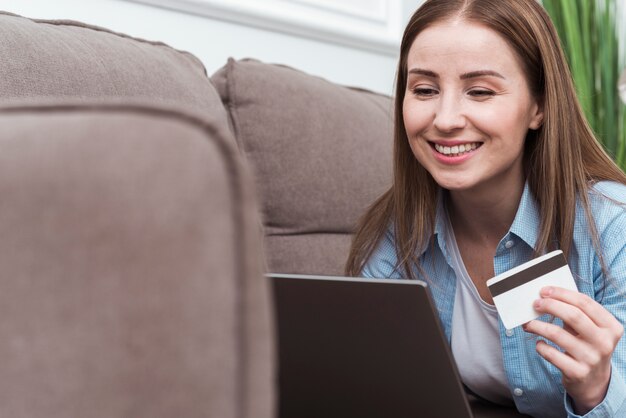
(476, 343)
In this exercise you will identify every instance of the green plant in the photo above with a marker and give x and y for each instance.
(589, 34)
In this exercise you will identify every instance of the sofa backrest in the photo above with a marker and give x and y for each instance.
(130, 273)
(61, 58)
(320, 152)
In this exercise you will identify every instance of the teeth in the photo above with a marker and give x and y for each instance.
(457, 149)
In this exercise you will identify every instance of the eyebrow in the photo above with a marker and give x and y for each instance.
(465, 76)
(481, 73)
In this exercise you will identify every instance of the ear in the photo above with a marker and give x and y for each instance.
(536, 119)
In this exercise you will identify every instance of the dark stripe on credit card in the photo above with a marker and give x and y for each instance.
(527, 275)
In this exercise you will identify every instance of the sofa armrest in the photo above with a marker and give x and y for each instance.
(131, 279)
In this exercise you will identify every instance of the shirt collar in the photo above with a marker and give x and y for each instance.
(527, 220)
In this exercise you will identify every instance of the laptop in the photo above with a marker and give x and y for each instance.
(366, 348)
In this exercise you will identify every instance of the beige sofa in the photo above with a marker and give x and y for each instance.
(141, 203)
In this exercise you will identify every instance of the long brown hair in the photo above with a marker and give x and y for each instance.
(562, 158)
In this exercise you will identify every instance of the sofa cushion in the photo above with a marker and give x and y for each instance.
(131, 277)
(60, 58)
(321, 153)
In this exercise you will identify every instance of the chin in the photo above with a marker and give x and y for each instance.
(455, 188)
(453, 184)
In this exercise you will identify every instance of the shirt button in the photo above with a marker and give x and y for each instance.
(509, 332)
(509, 244)
(518, 392)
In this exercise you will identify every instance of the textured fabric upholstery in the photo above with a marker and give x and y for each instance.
(62, 58)
(131, 280)
(321, 153)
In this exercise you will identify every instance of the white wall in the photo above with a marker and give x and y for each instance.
(213, 41)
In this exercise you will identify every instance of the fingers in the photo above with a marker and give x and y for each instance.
(570, 368)
(581, 314)
(596, 312)
(571, 315)
(562, 338)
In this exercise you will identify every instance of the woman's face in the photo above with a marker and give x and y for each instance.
(467, 107)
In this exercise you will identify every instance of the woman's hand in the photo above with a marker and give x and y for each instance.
(589, 337)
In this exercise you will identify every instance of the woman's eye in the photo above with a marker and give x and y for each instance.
(481, 93)
(424, 91)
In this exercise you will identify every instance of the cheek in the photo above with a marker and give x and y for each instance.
(420, 150)
(418, 119)
(514, 131)
(505, 121)
(505, 130)
(415, 119)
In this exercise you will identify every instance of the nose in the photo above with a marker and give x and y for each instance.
(449, 115)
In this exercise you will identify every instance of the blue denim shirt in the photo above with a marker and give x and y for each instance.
(535, 384)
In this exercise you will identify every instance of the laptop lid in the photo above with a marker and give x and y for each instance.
(362, 348)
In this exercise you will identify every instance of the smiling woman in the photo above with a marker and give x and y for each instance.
(494, 164)
(481, 100)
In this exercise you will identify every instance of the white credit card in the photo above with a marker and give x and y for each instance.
(514, 291)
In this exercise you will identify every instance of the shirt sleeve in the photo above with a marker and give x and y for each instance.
(382, 262)
(613, 241)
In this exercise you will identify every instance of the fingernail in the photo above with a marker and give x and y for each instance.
(547, 291)
(537, 304)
